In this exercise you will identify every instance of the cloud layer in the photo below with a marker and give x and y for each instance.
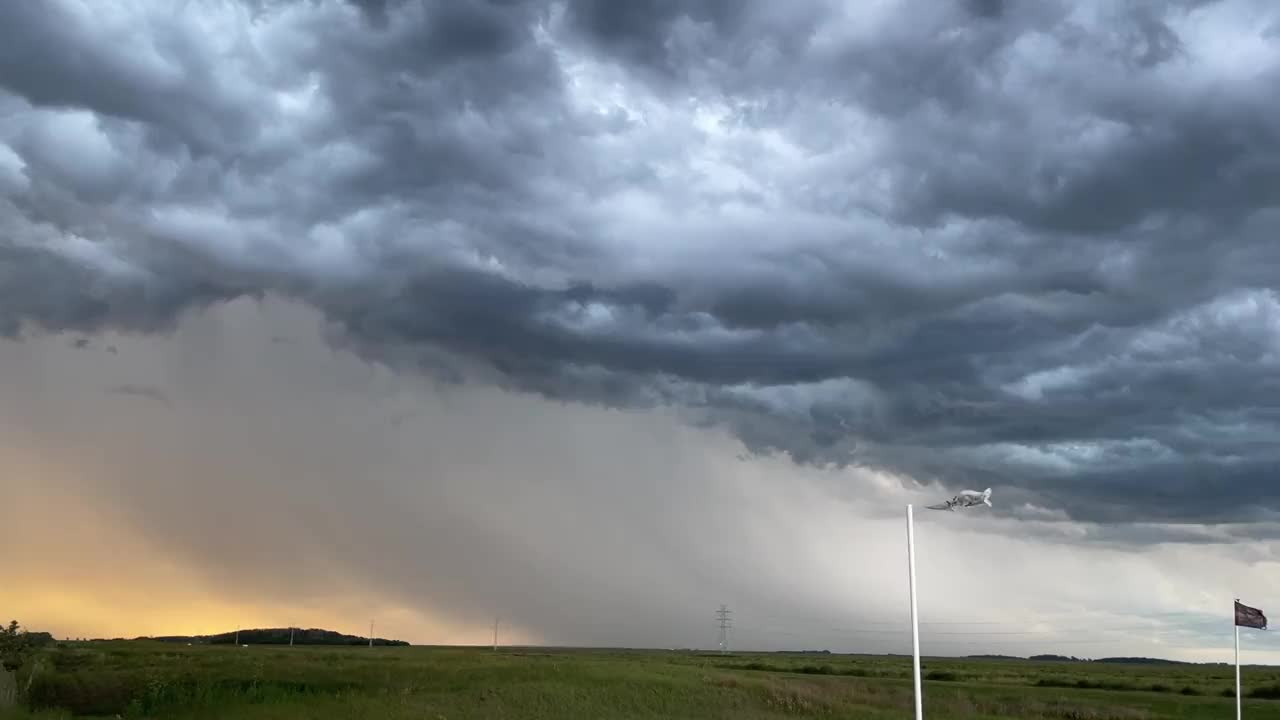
(978, 243)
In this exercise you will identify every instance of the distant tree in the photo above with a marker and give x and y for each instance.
(15, 647)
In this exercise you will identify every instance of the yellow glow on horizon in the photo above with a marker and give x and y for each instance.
(85, 572)
(149, 610)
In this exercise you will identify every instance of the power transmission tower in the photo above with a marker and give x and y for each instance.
(725, 624)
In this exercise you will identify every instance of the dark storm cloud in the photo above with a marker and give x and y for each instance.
(981, 242)
(641, 32)
(375, 10)
(987, 8)
(57, 57)
(54, 292)
(528, 331)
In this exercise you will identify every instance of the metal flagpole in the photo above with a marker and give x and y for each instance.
(1250, 617)
(1237, 628)
(915, 623)
(966, 499)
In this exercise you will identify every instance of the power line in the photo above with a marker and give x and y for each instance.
(1160, 633)
(984, 633)
(725, 624)
(999, 627)
(860, 621)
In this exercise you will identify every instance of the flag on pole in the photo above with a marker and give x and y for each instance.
(966, 499)
(1250, 617)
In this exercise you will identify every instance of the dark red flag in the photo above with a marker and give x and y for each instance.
(1250, 617)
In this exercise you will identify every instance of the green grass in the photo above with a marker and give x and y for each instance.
(142, 679)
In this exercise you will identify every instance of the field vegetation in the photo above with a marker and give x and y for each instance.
(174, 680)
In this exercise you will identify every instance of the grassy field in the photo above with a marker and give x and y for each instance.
(142, 679)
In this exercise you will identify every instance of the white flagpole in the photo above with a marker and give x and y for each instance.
(915, 624)
(1237, 627)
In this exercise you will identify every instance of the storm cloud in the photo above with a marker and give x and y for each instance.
(1029, 245)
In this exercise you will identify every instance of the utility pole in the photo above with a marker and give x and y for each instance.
(370, 633)
(725, 624)
(495, 634)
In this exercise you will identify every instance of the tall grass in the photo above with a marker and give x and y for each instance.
(141, 679)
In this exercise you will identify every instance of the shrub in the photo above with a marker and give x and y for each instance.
(15, 647)
(84, 693)
(1266, 692)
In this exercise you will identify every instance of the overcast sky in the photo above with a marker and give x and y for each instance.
(596, 315)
